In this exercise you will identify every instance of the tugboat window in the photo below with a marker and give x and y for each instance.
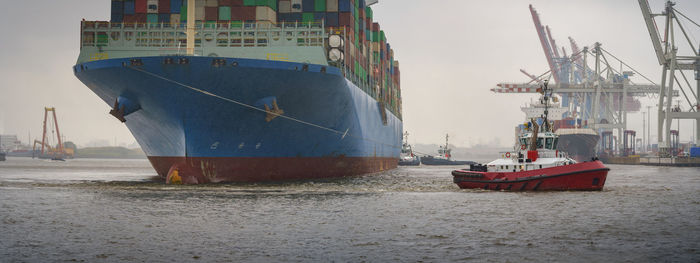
(556, 142)
(540, 142)
(549, 143)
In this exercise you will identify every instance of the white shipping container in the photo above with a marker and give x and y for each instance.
(331, 5)
(199, 13)
(285, 6)
(265, 13)
(375, 47)
(296, 6)
(152, 6)
(175, 18)
(212, 3)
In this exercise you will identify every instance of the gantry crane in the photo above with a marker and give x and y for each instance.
(667, 54)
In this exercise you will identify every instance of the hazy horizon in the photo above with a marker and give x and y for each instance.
(451, 53)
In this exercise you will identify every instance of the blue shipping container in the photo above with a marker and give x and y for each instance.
(332, 19)
(129, 7)
(164, 18)
(307, 6)
(695, 152)
(319, 16)
(345, 6)
(117, 18)
(289, 17)
(175, 6)
(117, 11)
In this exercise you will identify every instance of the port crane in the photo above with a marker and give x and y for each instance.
(674, 64)
(600, 94)
(59, 152)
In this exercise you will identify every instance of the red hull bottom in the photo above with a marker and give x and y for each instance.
(195, 170)
(589, 176)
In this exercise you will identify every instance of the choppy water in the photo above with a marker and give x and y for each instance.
(116, 210)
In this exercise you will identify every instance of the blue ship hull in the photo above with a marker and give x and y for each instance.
(197, 118)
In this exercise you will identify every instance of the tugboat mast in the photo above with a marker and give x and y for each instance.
(547, 94)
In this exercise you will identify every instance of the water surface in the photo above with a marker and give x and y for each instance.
(118, 210)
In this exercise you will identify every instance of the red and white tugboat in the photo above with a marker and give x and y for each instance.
(536, 166)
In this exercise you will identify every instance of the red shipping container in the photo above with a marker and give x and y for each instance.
(247, 13)
(128, 19)
(375, 27)
(346, 19)
(140, 7)
(236, 2)
(136, 18)
(164, 6)
(237, 14)
(211, 13)
(225, 2)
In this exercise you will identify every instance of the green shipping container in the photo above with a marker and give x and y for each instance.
(224, 13)
(368, 12)
(307, 17)
(320, 5)
(249, 2)
(271, 3)
(375, 36)
(152, 18)
(183, 13)
(382, 36)
(237, 24)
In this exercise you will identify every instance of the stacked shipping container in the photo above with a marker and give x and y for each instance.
(368, 55)
(208, 11)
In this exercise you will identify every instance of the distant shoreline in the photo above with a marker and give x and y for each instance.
(109, 153)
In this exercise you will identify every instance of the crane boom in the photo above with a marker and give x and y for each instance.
(545, 44)
(552, 43)
(653, 31)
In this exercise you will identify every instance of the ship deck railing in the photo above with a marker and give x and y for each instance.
(168, 35)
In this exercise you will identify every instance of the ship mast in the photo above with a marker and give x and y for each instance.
(546, 92)
(190, 27)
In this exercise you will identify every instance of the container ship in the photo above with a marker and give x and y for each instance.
(248, 90)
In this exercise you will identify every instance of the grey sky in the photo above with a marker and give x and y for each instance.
(451, 53)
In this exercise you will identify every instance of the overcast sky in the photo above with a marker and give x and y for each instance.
(451, 53)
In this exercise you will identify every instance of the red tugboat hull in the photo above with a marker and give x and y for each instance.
(587, 176)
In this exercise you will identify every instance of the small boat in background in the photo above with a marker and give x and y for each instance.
(444, 156)
(408, 158)
(536, 166)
